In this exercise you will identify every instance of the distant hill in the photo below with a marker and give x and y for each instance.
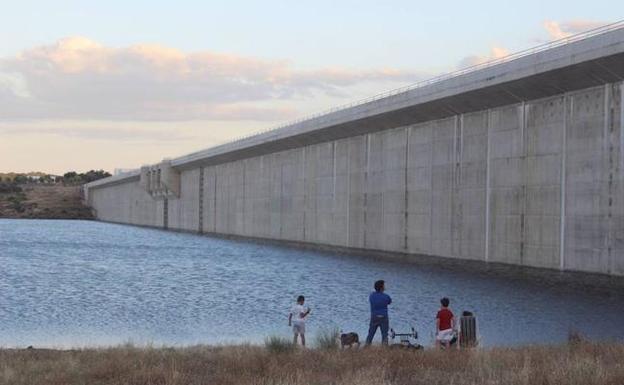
(45, 196)
(42, 201)
(11, 175)
(69, 178)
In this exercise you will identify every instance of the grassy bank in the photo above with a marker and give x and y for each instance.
(576, 363)
(42, 202)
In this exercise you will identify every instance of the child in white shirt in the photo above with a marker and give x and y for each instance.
(297, 317)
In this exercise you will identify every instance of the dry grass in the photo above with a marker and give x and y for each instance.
(582, 364)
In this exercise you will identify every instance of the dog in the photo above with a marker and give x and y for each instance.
(348, 339)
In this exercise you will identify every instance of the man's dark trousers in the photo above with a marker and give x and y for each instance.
(375, 322)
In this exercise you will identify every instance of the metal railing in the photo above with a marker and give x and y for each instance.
(517, 55)
(437, 79)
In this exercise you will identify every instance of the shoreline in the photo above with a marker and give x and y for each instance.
(575, 362)
(284, 343)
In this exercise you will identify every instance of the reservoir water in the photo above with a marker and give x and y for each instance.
(82, 283)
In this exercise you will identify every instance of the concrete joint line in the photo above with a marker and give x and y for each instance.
(366, 188)
(281, 200)
(166, 213)
(348, 237)
(562, 189)
(334, 173)
(609, 130)
(200, 220)
(621, 131)
(383, 175)
(487, 185)
(215, 199)
(525, 109)
(305, 191)
(243, 199)
(406, 194)
(431, 235)
(456, 213)
(460, 150)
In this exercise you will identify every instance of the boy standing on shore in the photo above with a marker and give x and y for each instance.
(444, 324)
(296, 318)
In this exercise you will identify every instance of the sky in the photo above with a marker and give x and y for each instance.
(118, 84)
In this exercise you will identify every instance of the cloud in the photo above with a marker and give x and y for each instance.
(111, 132)
(78, 78)
(555, 30)
(559, 30)
(472, 60)
(13, 84)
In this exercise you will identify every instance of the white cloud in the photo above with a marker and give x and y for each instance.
(555, 30)
(559, 30)
(100, 131)
(77, 78)
(14, 85)
(495, 53)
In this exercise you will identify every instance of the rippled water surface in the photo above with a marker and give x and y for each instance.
(81, 283)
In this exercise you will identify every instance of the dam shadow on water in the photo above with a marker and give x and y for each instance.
(83, 283)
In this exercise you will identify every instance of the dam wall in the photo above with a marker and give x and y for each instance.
(519, 163)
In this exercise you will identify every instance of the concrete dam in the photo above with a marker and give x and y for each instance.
(518, 161)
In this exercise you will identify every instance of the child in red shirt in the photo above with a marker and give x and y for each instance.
(444, 324)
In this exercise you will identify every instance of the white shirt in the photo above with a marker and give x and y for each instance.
(296, 313)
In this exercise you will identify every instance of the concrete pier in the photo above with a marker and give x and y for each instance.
(521, 162)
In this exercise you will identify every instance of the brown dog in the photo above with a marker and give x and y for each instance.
(348, 339)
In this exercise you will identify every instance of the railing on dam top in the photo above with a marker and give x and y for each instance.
(446, 76)
(471, 69)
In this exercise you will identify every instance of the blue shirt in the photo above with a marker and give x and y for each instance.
(379, 303)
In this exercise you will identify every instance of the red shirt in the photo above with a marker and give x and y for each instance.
(445, 316)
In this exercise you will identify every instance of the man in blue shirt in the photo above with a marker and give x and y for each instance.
(379, 302)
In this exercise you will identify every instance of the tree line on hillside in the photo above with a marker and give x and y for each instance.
(70, 178)
(73, 177)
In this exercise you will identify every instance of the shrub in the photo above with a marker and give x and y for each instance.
(575, 337)
(16, 202)
(276, 344)
(328, 339)
(7, 188)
